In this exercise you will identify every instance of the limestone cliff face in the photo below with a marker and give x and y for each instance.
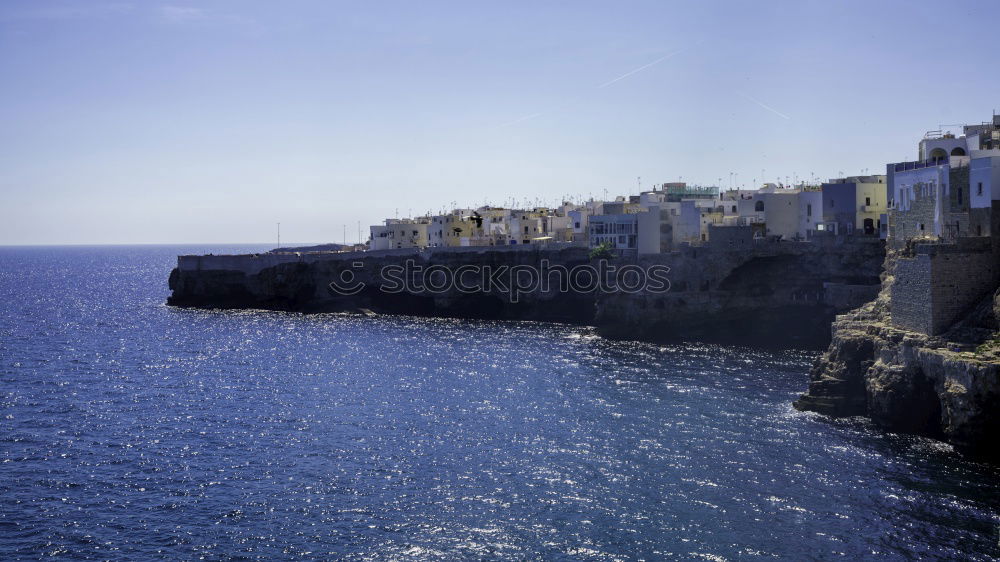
(945, 386)
(302, 283)
(774, 293)
(785, 295)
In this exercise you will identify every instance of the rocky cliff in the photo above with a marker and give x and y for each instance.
(945, 386)
(302, 282)
(783, 294)
(779, 293)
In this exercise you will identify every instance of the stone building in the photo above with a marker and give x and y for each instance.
(944, 228)
(935, 283)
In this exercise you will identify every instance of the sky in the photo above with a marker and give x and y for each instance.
(210, 122)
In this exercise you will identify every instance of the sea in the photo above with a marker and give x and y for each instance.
(131, 430)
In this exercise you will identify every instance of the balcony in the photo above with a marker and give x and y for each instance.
(904, 166)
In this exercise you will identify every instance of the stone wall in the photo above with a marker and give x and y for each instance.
(936, 285)
(916, 222)
(910, 294)
(960, 277)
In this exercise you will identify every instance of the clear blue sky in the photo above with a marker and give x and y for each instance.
(179, 122)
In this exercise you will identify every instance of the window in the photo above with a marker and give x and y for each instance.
(809, 210)
(979, 189)
(758, 206)
(577, 225)
(734, 208)
(868, 201)
(525, 230)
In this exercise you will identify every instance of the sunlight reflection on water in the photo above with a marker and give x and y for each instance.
(131, 429)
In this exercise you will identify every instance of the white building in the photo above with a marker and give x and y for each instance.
(620, 231)
(693, 218)
(984, 181)
(958, 174)
(781, 212)
(400, 233)
(810, 212)
(976, 141)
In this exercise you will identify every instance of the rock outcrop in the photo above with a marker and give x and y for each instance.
(784, 294)
(945, 386)
(302, 282)
(776, 293)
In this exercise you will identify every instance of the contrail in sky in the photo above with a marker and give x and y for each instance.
(765, 106)
(519, 120)
(643, 67)
(606, 84)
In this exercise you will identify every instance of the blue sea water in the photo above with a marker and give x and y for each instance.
(132, 430)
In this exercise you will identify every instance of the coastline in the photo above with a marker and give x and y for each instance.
(778, 294)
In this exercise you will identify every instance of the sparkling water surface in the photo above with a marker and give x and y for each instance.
(132, 430)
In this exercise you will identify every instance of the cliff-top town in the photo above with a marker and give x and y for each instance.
(674, 214)
(938, 214)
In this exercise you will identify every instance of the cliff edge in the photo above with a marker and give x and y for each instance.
(769, 292)
(944, 385)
